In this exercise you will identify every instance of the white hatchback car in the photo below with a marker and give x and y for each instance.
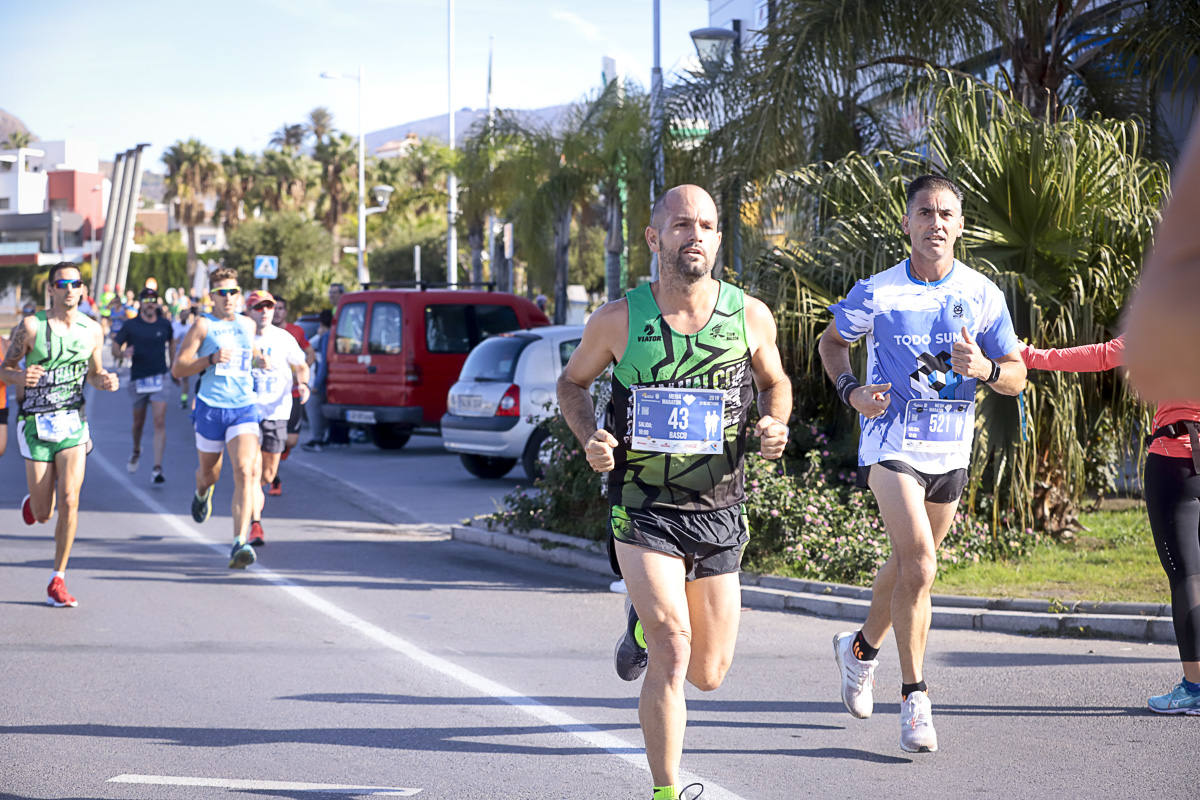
(506, 389)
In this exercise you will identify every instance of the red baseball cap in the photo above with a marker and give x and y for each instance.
(259, 296)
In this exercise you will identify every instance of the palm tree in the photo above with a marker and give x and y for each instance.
(286, 179)
(192, 174)
(1059, 213)
(320, 123)
(289, 137)
(239, 171)
(18, 139)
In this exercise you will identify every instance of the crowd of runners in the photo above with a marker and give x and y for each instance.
(690, 356)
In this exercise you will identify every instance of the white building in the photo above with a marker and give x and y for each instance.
(23, 182)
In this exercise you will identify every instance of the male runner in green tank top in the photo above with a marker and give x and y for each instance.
(61, 348)
(686, 349)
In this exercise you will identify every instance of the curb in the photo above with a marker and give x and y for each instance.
(1145, 622)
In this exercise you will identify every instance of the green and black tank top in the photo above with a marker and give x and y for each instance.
(716, 357)
(66, 360)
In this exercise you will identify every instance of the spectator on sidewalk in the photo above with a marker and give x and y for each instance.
(316, 404)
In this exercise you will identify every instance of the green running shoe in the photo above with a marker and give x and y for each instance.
(241, 556)
(1177, 701)
(202, 505)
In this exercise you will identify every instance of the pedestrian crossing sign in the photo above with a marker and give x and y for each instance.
(266, 267)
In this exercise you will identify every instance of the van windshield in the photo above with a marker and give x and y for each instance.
(494, 359)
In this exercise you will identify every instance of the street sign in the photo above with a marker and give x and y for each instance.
(266, 267)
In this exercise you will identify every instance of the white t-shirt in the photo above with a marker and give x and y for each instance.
(273, 387)
(911, 327)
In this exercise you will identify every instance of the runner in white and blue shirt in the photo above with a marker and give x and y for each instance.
(220, 348)
(910, 327)
(934, 328)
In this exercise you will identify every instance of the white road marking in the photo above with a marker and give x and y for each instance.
(630, 753)
(277, 786)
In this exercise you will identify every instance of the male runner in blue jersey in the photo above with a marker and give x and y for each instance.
(934, 327)
(221, 347)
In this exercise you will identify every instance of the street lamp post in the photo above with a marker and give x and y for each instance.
(451, 179)
(656, 124)
(363, 277)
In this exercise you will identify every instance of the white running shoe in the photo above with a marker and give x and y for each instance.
(618, 586)
(133, 461)
(858, 677)
(916, 724)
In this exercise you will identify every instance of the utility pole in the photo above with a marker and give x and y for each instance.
(452, 179)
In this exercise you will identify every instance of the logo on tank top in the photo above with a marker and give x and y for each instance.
(649, 334)
(723, 331)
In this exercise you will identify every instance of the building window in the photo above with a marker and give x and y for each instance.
(4, 204)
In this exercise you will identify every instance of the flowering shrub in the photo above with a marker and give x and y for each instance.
(566, 499)
(814, 524)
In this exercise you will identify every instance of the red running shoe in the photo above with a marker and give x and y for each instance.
(256, 534)
(27, 511)
(57, 595)
(276, 488)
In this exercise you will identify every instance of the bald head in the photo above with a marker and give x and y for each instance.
(684, 198)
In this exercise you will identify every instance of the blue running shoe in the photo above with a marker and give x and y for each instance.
(241, 556)
(1177, 701)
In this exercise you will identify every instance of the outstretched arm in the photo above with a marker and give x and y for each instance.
(1085, 358)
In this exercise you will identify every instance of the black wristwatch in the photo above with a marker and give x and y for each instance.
(995, 376)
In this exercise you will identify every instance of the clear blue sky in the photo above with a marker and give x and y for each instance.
(230, 72)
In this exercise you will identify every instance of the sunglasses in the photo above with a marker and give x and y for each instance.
(67, 283)
(264, 306)
(226, 292)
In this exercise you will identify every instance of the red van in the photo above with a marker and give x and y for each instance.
(394, 353)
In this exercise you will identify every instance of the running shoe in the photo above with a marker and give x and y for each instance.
(27, 511)
(256, 534)
(683, 793)
(858, 677)
(618, 586)
(57, 595)
(156, 476)
(630, 657)
(276, 488)
(1177, 701)
(202, 505)
(916, 724)
(312, 446)
(133, 461)
(241, 556)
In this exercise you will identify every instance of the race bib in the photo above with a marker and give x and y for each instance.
(55, 426)
(937, 426)
(237, 366)
(149, 385)
(265, 383)
(678, 420)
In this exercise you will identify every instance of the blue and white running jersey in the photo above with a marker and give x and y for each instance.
(229, 384)
(911, 327)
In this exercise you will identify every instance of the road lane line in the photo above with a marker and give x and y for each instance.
(550, 715)
(276, 786)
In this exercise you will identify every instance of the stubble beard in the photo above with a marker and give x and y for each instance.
(687, 271)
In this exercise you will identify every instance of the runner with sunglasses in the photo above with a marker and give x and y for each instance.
(61, 349)
(220, 348)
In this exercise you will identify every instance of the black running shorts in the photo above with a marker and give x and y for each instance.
(274, 435)
(944, 488)
(709, 542)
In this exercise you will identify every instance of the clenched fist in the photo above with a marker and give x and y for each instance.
(773, 436)
(599, 451)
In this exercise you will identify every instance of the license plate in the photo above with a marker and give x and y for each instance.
(469, 402)
(354, 415)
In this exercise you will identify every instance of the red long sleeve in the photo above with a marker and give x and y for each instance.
(1085, 358)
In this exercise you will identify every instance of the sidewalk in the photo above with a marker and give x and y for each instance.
(1146, 622)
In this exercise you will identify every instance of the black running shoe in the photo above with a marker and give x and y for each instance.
(202, 505)
(629, 656)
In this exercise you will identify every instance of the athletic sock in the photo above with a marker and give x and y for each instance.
(1192, 688)
(664, 793)
(908, 688)
(63, 574)
(862, 649)
(639, 635)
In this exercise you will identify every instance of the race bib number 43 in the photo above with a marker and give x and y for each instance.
(937, 426)
(678, 420)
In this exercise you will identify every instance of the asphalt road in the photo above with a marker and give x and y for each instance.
(366, 658)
